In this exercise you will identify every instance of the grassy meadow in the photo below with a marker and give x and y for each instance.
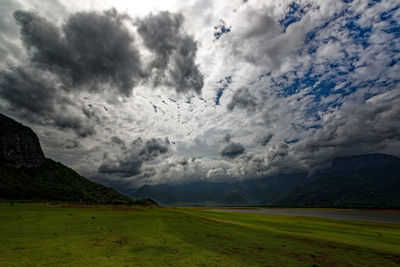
(57, 235)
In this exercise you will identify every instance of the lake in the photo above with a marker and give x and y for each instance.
(381, 216)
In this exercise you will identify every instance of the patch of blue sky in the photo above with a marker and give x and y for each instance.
(388, 15)
(220, 92)
(297, 84)
(393, 25)
(295, 13)
(224, 85)
(324, 88)
(359, 34)
(312, 34)
(341, 77)
(292, 141)
(221, 29)
(314, 126)
(395, 60)
(317, 83)
(314, 110)
(335, 71)
(371, 3)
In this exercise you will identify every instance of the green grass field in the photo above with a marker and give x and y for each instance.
(38, 234)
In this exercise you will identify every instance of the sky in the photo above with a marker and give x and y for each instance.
(146, 92)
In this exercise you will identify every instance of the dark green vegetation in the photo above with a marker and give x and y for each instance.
(52, 181)
(357, 181)
(33, 235)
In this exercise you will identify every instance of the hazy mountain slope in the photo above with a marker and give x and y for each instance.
(266, 189)
(371, 180)
(190, 193)
(358, 181)
(249, 192)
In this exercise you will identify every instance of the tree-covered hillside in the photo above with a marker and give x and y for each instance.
(54, 181)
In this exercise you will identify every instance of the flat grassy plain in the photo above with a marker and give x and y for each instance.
(57, 235)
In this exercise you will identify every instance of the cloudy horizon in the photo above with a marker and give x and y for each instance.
(130, 93)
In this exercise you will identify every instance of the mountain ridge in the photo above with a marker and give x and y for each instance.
(25, 173)
(360, 181)
(248, 192)
(368, 180)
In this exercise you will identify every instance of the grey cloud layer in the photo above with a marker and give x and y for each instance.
(359, 127)
(243, 98)
(319, 127)
(281, 122)
(131, 162)
(90, 48)
(36, 96)
(91, 52)
(175, 51)
(232, 150)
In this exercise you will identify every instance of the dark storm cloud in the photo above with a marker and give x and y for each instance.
(126, 167)
(131, 162)
(28, 90)
(227, 138)
(91, 51)
(277, 159)
(175, 52)
(35, 97)
(102, 47)
(71, 144)
(265, 139)
(117, 140)
(90, 48)
(41, 38)
(161, 33)
(279, 151)
(153, 148)
(244, 99)
(232, 150)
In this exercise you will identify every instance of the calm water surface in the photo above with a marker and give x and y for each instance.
(354, 215)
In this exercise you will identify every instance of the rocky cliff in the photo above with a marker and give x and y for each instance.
(19, 145)
(25, 173)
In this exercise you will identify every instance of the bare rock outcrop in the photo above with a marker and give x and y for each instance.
(19, 145)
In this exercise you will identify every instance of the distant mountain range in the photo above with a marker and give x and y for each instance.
(367, 181)
(25, 173)
(371, 180)
(247, 192)
(358, 181)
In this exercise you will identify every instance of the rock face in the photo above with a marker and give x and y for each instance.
(19, 145)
